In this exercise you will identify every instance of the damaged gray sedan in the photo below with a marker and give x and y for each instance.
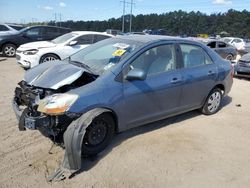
(118, 84)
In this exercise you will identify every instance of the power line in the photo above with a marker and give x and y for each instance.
(131, 11)
(123, 14)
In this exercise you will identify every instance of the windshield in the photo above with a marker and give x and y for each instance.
(64, 38)
(24, 29)
(105, 54)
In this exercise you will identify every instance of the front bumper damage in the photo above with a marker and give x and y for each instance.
(69, 129)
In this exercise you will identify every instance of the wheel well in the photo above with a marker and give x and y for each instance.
(114, 116)
(49, 54)
(221, 87)
(7, 43)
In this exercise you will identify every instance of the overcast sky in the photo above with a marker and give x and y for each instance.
(24, 11)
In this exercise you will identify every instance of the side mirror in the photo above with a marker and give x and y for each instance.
(72, 43)
(136, 74)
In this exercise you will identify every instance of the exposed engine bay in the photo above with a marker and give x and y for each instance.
(27, 98)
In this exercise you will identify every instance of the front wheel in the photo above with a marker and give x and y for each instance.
(9, 50)
(48, 57)
(212, 104)
(98, 135)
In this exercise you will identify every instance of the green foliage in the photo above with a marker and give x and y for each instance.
(236, 23)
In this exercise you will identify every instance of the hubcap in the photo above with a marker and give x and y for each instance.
(9, 50)
(97, 133)
(229, 57)
(49, 58)
(214, 102)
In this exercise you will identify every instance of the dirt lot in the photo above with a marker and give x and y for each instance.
(191, 150)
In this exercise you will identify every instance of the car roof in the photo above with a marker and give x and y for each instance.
(90, 32)
(148, 38)
(47, 26)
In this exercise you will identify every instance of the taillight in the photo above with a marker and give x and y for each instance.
(232, 71)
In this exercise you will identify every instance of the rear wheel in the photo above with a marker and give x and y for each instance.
(49, 57)
(9, 50)
(212, 104)
(98, 135)
(229, 57)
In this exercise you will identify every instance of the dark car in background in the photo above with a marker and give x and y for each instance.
(226, 51)
(10, 42)
(242, 67)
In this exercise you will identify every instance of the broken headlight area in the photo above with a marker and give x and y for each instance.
(44, 110)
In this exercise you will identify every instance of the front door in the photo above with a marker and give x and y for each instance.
(159, 94)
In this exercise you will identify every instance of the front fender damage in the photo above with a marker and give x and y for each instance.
(73, 138)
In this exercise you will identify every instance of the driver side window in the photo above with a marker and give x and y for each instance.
(33, 32)
(156, 60)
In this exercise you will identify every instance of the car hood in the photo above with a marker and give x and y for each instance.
(53, 75)
(36, 45)
(245, 57)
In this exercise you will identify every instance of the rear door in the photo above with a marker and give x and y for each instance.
(159, 94)
(199, 74)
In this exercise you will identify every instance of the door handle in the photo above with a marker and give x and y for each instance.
(210, 73)
(175, 80)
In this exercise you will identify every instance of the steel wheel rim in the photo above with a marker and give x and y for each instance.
(229, 57)
(214, 101)
(97, 134)
(9, 50)
(49, 58)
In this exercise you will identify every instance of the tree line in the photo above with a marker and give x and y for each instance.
(176, 23)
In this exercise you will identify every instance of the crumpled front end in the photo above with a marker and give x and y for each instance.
(25, 105)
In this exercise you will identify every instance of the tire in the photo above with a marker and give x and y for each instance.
(213, 101)
(48, 57)
(229, 57)
(98, 135)
(9, 50)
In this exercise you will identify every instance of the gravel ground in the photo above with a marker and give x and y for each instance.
(190, 150)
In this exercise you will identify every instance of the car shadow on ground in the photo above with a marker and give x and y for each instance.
(245, 77)
(90, 162)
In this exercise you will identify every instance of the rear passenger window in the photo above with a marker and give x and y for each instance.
(194, 56)
(212, 44)
(51, 31)
(100, 37)
(3, 28)
(222, 45)
(85, 39)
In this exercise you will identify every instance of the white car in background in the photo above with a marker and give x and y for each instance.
(238, 43)
(32, 54)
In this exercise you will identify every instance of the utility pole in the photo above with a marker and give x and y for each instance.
(60, 15)
(123, 15)
(55, 19)
(131, 14)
